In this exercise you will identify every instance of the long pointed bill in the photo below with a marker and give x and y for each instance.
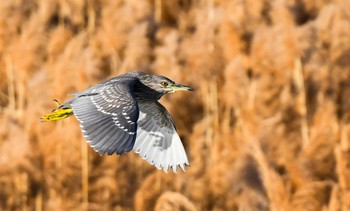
(179, 87)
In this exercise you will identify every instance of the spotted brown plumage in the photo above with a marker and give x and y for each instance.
(123, 113)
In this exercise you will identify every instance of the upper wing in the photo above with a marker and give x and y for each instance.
(157, 140)
(108, 115)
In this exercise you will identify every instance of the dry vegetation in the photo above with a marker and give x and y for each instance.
(267, 129)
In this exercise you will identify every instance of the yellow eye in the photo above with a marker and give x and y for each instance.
(164, 83)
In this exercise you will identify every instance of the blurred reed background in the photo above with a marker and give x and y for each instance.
(267, 129)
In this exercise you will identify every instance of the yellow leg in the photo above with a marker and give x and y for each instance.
(57, 114)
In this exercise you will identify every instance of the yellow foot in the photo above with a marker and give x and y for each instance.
(57, 114)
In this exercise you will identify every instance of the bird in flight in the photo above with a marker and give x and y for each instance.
(123, 113)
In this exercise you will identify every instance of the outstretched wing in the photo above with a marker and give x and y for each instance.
(157, 140)
(108, 115)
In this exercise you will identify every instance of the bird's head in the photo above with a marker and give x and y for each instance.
(163, 84)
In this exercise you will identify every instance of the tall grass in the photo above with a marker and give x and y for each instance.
(266, 129)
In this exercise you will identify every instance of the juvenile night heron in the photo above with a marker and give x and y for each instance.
(123, 113)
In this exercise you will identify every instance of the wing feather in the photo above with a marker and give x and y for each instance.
(157, 140)
(108, 115)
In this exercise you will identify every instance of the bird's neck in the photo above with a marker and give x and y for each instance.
(143, 92)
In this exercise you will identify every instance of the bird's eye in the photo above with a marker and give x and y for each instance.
(164, 83)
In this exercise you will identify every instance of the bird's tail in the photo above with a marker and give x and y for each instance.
(63, 111)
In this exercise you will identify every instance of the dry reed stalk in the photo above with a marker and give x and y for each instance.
(158, 10)
(10, 84)
(345, 200)
(343, 172)
(298, 77)
(214, 104)
(273, 183)
(172, 201)
(91, 25)
(3, 97)
(252, 94)
(212, 111)
(210, 22)
(340, 200)
(85, 174)
(342, 158)
(312, 196)
(334, 201)
(344, 140)
(21, 190)
(275, 188)
(59, 161)
(39, 201)
(20, 98)
(16, 90)
(118, 208)
(210, 11)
